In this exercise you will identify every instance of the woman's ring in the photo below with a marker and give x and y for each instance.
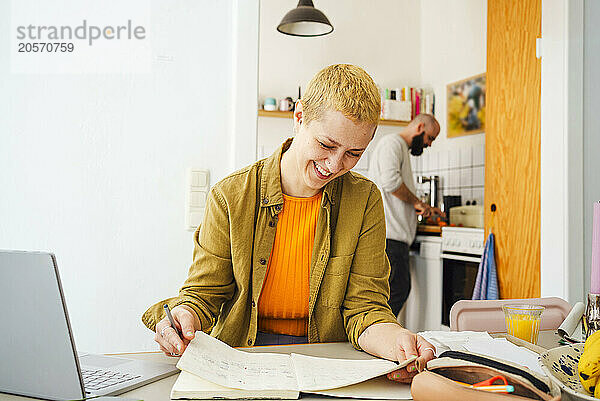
(162, 331)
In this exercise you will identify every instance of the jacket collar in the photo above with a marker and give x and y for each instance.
(270, 183)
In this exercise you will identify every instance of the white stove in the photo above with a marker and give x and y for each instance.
(442, 272)
(462, 248)
(463, 240)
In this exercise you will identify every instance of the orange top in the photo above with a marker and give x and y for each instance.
(283, 302)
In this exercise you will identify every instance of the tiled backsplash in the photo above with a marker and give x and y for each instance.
(461, 171)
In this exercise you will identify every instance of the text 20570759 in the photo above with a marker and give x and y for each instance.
(45, 47)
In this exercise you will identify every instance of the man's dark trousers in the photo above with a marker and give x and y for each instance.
(397, 253)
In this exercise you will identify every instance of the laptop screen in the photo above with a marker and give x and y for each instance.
(39, 358)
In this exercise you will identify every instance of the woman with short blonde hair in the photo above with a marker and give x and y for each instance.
(292, 248)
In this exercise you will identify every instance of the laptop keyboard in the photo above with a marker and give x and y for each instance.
(101, 378)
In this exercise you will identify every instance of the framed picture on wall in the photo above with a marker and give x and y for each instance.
(466, 106)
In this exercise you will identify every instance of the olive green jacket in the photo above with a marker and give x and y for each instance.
(349, 268)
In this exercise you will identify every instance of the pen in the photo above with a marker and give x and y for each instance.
(170, 317)
(495, 388)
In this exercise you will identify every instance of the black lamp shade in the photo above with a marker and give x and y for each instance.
(305, 20)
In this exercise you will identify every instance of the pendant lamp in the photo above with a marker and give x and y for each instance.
(305, 20)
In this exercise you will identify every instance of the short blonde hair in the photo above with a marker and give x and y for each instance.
(345, 88)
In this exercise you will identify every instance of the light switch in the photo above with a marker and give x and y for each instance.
(197, 192)
(198, 199)
(199, 178)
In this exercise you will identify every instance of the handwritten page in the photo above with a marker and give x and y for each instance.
(326, 373)
(217, 362)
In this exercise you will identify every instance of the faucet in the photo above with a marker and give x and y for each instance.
(434, 183)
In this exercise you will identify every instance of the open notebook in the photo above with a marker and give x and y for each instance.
(211, 369)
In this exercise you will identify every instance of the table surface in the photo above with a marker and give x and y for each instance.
(160, 390)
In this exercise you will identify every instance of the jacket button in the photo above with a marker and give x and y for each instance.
(253, 304)
(278, 207)
(249, 341)
(263, 261)
(266, 200)
(271, 223)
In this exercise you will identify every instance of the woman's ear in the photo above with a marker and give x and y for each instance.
(298, 112)
(298, 116)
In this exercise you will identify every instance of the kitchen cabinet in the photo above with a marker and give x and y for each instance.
(512, 154)
(423, 308)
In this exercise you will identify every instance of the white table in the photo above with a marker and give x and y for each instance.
(160, 390)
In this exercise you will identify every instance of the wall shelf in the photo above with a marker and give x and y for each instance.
(276, 113)
(288, 114)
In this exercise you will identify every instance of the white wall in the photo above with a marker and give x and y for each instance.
(245, 81)
(453, 47)
(380, 35)
(93, 166)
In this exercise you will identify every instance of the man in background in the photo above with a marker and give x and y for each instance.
(390, 169)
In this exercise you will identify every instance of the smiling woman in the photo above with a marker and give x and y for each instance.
(322, 150)
(335, 121)
(292, 248)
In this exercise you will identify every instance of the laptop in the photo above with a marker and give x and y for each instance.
(37, 352)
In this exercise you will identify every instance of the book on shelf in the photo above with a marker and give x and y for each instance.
(418, 100)
(213, 370)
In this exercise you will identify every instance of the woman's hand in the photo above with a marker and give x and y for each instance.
(408, 345)
(168, 339)
(393, 342)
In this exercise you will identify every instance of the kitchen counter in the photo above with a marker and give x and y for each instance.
(427, 229)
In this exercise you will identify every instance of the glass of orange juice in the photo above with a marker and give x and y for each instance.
(523, 321)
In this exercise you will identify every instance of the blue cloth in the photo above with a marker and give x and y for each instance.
(486, 284)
